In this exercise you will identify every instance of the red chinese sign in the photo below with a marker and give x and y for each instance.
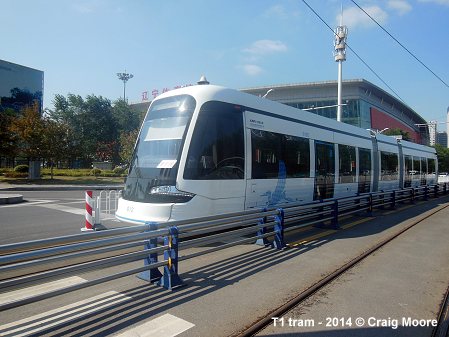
(157, 92)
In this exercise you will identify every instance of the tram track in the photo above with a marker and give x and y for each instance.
(441, 330)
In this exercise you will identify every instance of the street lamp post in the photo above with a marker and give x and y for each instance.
(124, 77)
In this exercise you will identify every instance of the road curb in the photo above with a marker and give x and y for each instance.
(62, 188)
(10, 199)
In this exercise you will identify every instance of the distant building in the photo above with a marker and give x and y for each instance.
(20, 86)
(366, 105)
(432, 132)
(442, 139)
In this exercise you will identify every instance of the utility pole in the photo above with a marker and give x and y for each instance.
(124, 77)
(341, 33)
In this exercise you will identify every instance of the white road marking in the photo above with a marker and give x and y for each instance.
(32, 203)
(67, 209)
(164, 326)
(52, 318)
(39, 289)
(78, 201)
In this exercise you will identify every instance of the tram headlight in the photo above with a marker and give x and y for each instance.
(171, 194)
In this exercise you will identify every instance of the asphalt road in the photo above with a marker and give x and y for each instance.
(45, 214)
(228, 290)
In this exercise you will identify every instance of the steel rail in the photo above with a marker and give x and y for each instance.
(69, 248)
(20, 269)
(226, 245)
(17, 282)
(442, 328)
(73, 247)
(64, 240)
(214, 238)
(293, 302)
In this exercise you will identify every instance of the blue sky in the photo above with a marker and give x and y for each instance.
(82, 44)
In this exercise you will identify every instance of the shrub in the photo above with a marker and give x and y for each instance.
(67, 172)
(21, 168)
(5, 170)
(95, 172)
(108, 174)
(13, 174)
(119, 170)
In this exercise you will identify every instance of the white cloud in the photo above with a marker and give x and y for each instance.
(265, 47)
(252, 69)
(354, 17)
(439, 2)
(401, 6)
(256, 51)
(280, 12)
(276, 11)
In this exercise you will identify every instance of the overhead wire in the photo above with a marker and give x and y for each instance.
(352, 50)
(397, 41)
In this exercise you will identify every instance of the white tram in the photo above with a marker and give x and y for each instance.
(206, 150)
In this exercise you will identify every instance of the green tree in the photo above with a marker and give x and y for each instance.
(127, 142)
(91, 122)
(55, 142)
(126, 118)
(28, 129)
(398, 132)
(8, 139)
(443, 158)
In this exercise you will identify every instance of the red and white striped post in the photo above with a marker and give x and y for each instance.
(89, 218)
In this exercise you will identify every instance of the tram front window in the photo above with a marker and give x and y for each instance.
(217, 149)
(154, 165)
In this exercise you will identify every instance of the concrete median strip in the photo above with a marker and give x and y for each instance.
(10, 198)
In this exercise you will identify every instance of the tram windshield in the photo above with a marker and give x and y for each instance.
(156, 157)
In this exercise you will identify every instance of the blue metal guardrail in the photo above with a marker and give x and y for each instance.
(33, 262)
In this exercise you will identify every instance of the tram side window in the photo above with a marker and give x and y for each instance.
(424, 170)
(346, 164)
(408, 164)
(269, 149)
(389, 166)
(416, 172)
(297, 157)
(217, 147)
(364, 164)
(266, 152)
(432, 169)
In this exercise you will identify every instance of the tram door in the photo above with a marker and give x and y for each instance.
(364, 170)
(324, 170)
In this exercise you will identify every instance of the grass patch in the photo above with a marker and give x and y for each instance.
(78, 177)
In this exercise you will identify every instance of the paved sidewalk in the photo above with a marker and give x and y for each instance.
(394, 292)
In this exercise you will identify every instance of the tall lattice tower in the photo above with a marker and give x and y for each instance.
(447, 127)
(341, 34)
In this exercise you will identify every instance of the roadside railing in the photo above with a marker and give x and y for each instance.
(99, 207)
(106, 204)
(28, 263)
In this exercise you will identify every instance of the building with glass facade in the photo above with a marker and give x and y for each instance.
(365, 105)
(20, 86)
(442, 139)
